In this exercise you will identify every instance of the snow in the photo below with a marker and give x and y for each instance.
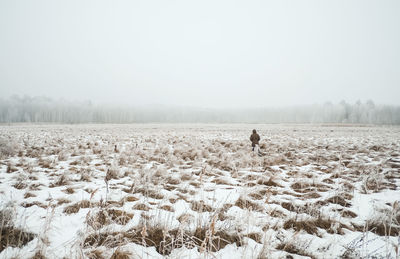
(185, 177)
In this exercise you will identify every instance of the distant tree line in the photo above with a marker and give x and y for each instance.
(42, 109)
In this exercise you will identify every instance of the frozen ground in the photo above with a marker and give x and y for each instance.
(197, 191)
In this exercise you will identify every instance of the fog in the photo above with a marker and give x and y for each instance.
(203, 54)
(42, 109)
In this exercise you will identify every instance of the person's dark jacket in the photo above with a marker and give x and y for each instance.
(254, 138)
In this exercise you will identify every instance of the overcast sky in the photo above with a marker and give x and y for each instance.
(202, 53)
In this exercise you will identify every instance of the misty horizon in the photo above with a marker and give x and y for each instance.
(109, 104)
(44, 109)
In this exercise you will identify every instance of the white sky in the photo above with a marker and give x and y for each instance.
(202, 53)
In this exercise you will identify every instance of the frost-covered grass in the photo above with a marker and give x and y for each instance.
(176, 191)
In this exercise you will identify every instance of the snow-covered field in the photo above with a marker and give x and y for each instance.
(197, 191)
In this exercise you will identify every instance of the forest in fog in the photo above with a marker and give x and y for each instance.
(17, 109)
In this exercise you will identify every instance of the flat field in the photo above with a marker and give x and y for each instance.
(197, 191)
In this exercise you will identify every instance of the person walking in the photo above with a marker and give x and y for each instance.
(255, 139)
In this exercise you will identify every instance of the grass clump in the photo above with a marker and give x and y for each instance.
(74, 208)
(206, 239)
(12, 236)
(244, 203)
(293, 249)
(311, 226)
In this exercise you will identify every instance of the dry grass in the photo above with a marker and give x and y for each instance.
(154, 194)
(277, 214)
(269, 182)
(291, 248)
(173, 180)
(69, 190)
(112, 173)
(97, 220)
(311, 195)
(45, 163)
(61, 181)
(95, 254)
(167, 208)
(311, 226)
(107, 216)
(131, 198)
(62, 201)
(141, 206)
(340, 200)
(74, 208)
(119, 216)
(29, 195)
(165, 240)
(221, 181)
(11, 236)
(200, 206)
(247, 204)
(380, 228)
(303, 187)
(186, 177)
(291, 207)
(348, 214)
(118, 254)
(38, 255)
(30, 204)
(20, 185)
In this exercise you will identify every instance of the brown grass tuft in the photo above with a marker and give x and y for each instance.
(166, 240)
(311, 226)
(69, 190)
(131, 198)
(119, 216)
(29, 195)
(38, 255)
(221, 181)
(185, 218)
(61, 181)
(380, 228)
(292, 249)
(118, 254)
(167, 208)
(74, 208)
(256, 196)
(141, 206)
(200, 206)
(269, 182)
(186, 177)
(277, 214)
(14, 237)
(289, 206)
(255, 236)
(173, 180)
(311, 195)
(155, 194)
(95, 254)
(194, 183)
(35, 186)
(338, 200)
(348, 214)
(304, 187)
(30, 204)
(248, 204)
(20, 185)
(61, 201)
